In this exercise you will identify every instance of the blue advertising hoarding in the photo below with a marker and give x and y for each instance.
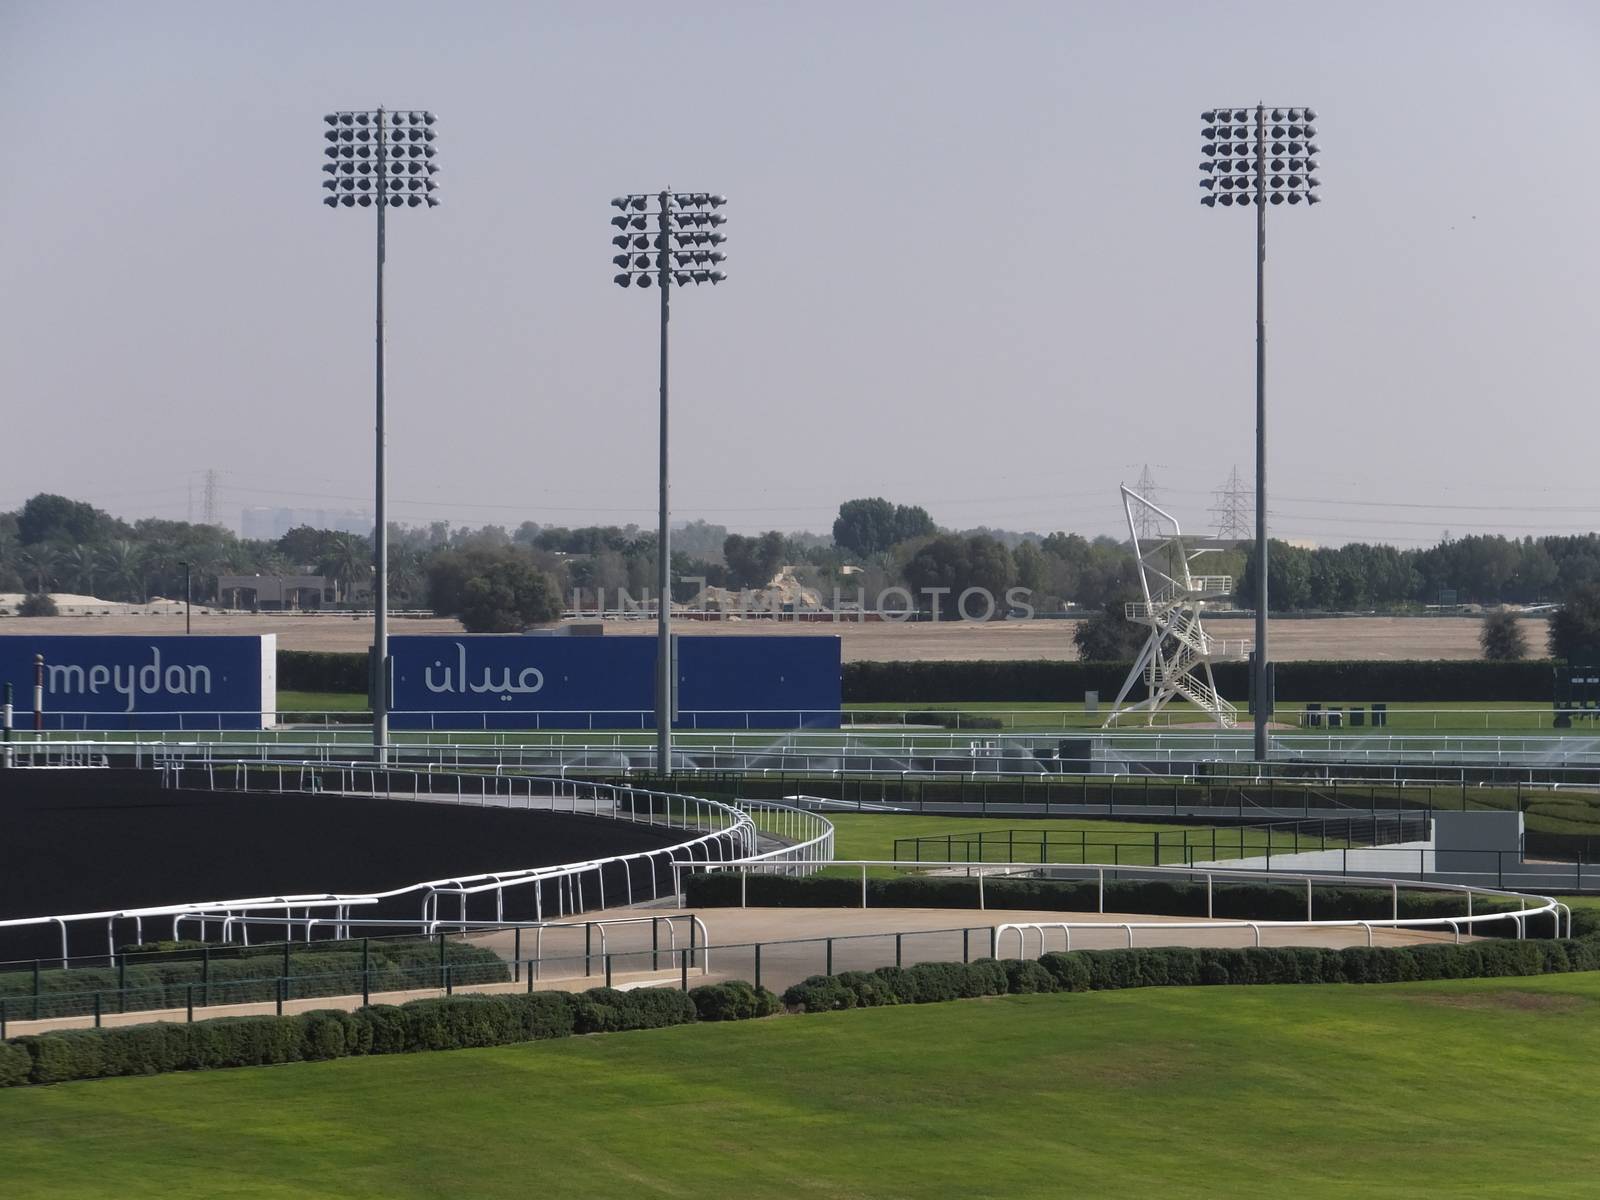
(514, 681)
(96, 681)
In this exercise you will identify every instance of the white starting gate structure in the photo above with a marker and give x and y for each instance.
(1176, 659)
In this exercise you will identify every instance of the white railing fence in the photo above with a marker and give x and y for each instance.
(723, 832)
(1529, 906)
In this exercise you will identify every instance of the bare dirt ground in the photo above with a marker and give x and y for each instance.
(1327, 638)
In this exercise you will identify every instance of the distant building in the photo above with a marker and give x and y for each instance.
(266, 524)
(275, 592)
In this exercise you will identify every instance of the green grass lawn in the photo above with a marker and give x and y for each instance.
(321, 702)
(1468, 717)
(1462, 1088)
(872, 835)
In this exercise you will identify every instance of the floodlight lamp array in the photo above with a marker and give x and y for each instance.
(684, 247)
(380, 156)
(1258, 156)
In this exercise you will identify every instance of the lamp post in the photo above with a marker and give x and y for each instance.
(684, 250)
(383, 159)
(1255, 157)
(188, 598)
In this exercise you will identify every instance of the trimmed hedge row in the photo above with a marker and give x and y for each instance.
(926, 682)
(734, 1000)
(1416, 679)
(443, 1023)
(1106, 970)
(316, 969)
(322, 671)
(1232, 901)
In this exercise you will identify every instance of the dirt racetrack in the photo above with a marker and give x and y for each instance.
(1304, 638)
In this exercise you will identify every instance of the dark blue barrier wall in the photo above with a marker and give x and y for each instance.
(96, 681)
(517, 682)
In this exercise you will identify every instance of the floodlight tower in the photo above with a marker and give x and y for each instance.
(1247, 168)
(685, 249)
(383, 159)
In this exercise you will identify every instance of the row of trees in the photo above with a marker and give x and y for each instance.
(1477, 569)
(57, 544)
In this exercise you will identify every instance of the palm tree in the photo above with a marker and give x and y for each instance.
(405, 573)
(160, 562)
(39, 561)
(10, 552)
(348, 560)
(123, 565)
(81, 564)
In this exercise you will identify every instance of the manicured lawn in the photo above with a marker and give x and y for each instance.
(1475, 1088)
(311, 702)
(1479, 717)
(872, 835)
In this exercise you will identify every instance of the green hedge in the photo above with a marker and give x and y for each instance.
(161, 975)
(1421, 679)
(1174, 899)
(444, 1023)
(16, 1064)
(1107, 970)
(322, 671)
(735, 1000)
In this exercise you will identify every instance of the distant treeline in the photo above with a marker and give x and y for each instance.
(53, 543)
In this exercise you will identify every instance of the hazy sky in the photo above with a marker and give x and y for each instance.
(968, 264)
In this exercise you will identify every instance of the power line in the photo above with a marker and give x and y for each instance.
(1234, 502)
(1145, 522)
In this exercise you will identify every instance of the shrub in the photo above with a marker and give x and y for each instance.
(15, 1064)
(65, 1055)
(389, 1029)
(1070, 971)
(457, 1022)
(607, 1010)
(332, 1033)
(321, 671)
(819, 993)
(734, 1000)
(548, 1014)
(871, 990)
(900, 986)
(37, 604)
(242, 1041)
(1109, 969)
(1024, 976)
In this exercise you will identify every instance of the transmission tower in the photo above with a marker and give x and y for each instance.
(1145, 522)
(1232, 509)
(210, 502)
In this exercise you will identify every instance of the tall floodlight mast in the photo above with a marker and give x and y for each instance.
(685, 249)
(382, 159)
(1175, 661)
(1255, 157)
